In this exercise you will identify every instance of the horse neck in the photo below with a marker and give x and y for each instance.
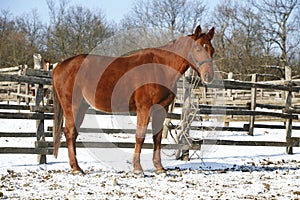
(180, 48)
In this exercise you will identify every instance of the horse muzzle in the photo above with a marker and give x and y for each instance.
(207, 77)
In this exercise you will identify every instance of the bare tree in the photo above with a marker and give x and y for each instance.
(32, 28)
(281, 20)
(251, 35)
(177, 16)
(8, 38)
(19, 38)
(74, 30)
(239, 47)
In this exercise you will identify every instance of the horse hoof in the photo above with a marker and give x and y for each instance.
(160, 171)
(76, 172)
(138, 173)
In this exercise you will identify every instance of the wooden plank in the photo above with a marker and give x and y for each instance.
(14, 107)
(38, 73)
(294, 142)
(109, 131)
(245, 85)
(210, 128)
(47, 109)
(269, 106)
(10, 69)
(224, 128)
(291, 110)
(46, 147)
(22, 134)
(247, 112)
(23, 150)
(26, 79)
(33, 116)
(22, 95)
(244, 118)
(246, 126)
(196, 144)
(149, 131)
(8, 85)
(201, 106)
(113, 145)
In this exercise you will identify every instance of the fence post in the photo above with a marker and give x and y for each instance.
(229, 94)
(252, 105)
(229, 77)
(39, 101)
(19, 86)
(27, 89)
(288, 104)
(40, 132)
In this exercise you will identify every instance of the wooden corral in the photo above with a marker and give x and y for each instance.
(9, 88)
(252, 103)
(247, 101)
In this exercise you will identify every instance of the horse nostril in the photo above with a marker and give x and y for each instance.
(207, 77)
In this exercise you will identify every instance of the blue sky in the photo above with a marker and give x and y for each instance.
(113, 9)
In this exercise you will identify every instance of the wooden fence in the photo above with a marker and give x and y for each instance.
(234, 92)
(8, 89)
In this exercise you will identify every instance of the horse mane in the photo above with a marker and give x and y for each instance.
(170, 43)
(129, 53)
(137, 50)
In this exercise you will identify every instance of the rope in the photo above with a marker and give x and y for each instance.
(189, 115)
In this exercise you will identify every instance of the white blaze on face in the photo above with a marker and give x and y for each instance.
(47, 66)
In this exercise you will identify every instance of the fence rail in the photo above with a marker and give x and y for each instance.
(242, 98)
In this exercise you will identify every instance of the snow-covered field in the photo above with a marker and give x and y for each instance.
(218, 172)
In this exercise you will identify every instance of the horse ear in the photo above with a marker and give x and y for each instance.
(198, 31)
(211, 33)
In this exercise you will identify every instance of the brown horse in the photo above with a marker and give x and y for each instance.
(144, 82)
(46, 64)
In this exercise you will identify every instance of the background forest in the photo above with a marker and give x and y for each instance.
(256, 36)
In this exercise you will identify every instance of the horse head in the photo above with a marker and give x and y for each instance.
(46, 64)
(204, 39)
(201, 54)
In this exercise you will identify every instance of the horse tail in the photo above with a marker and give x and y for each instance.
(57, 123)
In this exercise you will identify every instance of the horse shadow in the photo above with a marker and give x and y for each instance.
(264, 163)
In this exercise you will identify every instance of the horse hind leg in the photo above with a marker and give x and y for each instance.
(71, 136)
(72, 126)
(158, 116)
(142, 123)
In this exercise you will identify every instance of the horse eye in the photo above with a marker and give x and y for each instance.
(204, 45)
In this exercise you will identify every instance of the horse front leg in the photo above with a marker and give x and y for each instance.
(142, 123)
(158, 117)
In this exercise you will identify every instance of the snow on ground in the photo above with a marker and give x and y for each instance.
(216, 172)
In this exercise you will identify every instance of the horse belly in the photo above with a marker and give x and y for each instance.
(106, 100)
